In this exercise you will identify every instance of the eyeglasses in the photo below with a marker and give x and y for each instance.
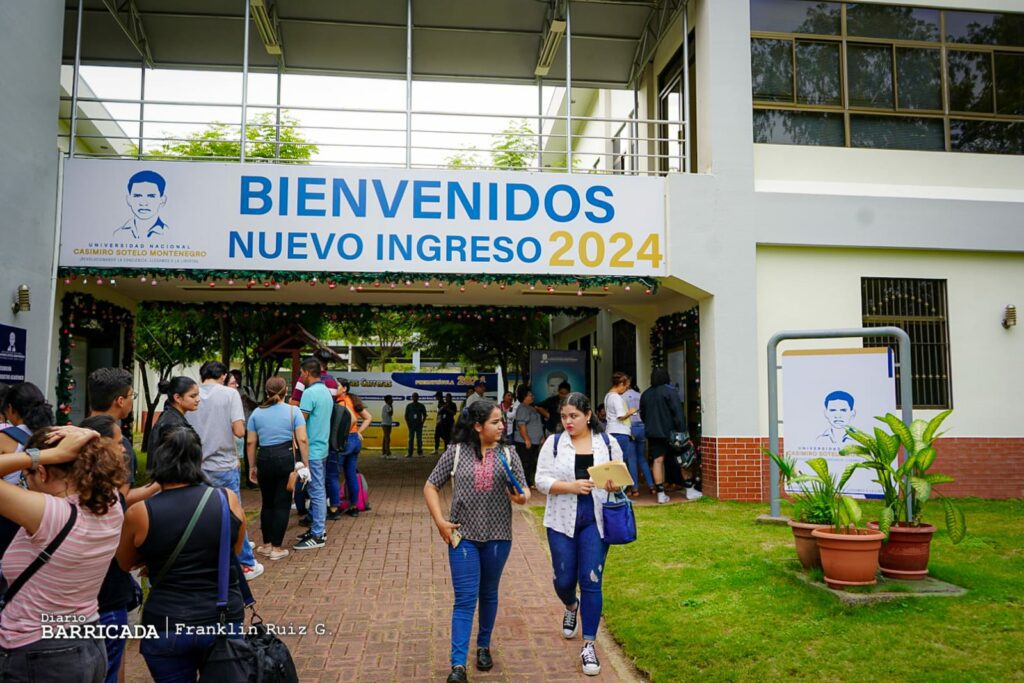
(24, 476)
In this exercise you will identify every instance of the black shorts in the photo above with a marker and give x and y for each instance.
(657, 448)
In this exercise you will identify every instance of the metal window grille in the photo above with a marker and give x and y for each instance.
(919, 308)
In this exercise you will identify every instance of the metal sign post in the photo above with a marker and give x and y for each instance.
(906, 389)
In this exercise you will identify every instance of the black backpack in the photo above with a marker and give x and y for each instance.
(341, 425)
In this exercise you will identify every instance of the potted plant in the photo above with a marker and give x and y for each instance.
(907, 548)
(849, 552)
(812, 505)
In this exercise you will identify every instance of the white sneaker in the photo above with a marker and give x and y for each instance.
(588, 656)
(663, 498)
(250, 573)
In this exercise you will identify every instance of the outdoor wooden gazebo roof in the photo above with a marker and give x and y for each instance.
(293, 342)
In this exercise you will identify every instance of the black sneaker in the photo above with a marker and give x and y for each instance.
(306, 534)
(458, 675)
(311, 542)
(483, 659)
(570, 622)
(352, 512)
(305, 521)
(588, 657)
(334, 514)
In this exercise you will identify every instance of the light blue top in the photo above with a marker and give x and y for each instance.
(317, 403)
(274, 424)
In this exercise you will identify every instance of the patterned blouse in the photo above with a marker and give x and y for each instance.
(479, 502)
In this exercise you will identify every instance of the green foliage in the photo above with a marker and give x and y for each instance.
(755, 622)
(388, 330)
(513, 149)
(221, 141)
(820, 499)
(911, 479)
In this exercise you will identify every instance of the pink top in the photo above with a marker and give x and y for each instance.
(69, 583)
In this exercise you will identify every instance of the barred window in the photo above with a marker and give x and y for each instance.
(918, 307)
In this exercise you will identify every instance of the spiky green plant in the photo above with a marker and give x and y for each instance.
(820, 499)
(910, 479)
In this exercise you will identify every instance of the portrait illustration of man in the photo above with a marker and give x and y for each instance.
(839, 413)
(145, 198)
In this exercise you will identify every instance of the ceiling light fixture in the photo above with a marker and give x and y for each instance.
(266, 26)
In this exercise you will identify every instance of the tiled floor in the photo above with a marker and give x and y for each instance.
(376, 601)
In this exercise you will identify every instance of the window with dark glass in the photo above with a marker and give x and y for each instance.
(919, 308)
(948, 79)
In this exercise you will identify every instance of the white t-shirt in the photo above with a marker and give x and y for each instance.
(615, 407)
(219, 407)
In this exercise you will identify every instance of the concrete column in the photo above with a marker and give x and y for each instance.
(30, 55)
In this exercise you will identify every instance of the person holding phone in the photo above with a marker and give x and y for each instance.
(479, 529)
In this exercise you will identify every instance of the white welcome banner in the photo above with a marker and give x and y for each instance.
(220, 216)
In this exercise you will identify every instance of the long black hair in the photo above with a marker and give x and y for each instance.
(179, 458)
(475, 413)
(581, 403)
(31, 405)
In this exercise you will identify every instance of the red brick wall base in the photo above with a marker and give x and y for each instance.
(734, 468)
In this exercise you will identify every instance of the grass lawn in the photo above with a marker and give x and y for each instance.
(705, 593)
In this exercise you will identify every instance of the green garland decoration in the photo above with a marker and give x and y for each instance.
(83, 311)
(366, 312)
(683, 324)
(266, 278)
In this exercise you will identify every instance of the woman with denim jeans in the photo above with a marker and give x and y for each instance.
(345, 461)
(182, 603)
(573, 518)
(619, 423)
(279, 431)
(479, 529)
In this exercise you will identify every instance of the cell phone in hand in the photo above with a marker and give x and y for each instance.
(456, 538)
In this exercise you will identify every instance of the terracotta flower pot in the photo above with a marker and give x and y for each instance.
(905, 554)
(806, 544)
(849, 559)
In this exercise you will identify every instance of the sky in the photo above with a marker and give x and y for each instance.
(354, 137)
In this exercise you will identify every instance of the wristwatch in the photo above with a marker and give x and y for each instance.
(35, 455)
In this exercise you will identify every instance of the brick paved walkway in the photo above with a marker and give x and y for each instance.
(381, 593)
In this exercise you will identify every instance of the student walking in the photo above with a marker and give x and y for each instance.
(176, 536)
(69, 515)
(478, 530)
(618, 422)
(662, 412)
(573, 519)
(276, 446)
(528, 432)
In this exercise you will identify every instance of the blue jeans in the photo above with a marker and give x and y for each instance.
(632, 453)
(176, 657)
(316, 496)
(476, 571)
(115, 646)
(416, 433)
(640, 451)
(343, 461)
(580, 561)
(229, 479)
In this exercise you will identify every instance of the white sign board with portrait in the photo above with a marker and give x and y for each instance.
(221, 216)
(827, 390)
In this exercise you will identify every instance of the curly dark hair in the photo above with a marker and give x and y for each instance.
(96, 474)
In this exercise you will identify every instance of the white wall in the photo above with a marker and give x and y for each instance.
(986, 363)
(29, 74)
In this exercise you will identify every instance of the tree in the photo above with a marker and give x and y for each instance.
(485, 342)
(221, 141)
(165, 340)
(513, 149)
(388, 330)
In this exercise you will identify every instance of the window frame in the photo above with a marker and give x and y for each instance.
(844, 40)
(940, 354)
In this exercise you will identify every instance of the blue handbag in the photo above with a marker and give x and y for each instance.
(619, 520)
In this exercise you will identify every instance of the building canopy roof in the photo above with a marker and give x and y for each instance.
(487, 41)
